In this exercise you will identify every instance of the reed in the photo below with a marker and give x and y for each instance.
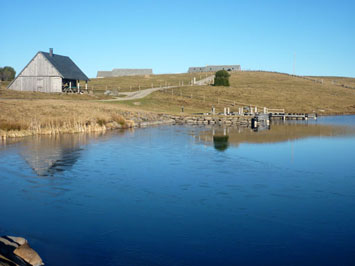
(28, 117)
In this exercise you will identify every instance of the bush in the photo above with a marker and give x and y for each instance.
(221, 78)
(7, 73)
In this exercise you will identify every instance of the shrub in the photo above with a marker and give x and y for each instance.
(119, 119)
(101, 121)
(12, 125)
(221, 78)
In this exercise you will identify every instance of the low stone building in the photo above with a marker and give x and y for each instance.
(120, 72)
(49, 72)
(214, 68)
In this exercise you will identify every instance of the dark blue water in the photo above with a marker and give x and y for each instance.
(167, 196)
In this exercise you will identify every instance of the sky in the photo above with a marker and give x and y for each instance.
(317, 37)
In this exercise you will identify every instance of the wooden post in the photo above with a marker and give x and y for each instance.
(225, 111)
(228, 111)
(86, 86)
(70, 85)
(78, 86)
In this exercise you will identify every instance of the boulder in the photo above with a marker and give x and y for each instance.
(15, 251)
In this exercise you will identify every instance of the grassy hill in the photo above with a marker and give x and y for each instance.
(134, 82)
(272, 90)
(324, 95)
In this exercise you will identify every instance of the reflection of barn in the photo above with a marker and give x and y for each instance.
(49, 72)
(49, 155)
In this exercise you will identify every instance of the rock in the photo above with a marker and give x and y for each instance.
(15, 251)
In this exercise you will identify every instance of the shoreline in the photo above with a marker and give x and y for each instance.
(137, 120)
(144, 121)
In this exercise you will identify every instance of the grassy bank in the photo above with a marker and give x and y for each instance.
(28, 117)
(272, 90)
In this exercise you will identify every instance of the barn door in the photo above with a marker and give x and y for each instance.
(56, 84)
(39, 84)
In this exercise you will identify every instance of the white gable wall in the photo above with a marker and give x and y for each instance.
(38, 75)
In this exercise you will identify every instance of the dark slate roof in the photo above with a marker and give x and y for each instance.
(65, 66)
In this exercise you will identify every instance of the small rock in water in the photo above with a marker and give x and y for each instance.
(15, 251)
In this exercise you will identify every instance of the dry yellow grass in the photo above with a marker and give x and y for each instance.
(272, 90)
(134, 82)
(28, 117)
(340, 81)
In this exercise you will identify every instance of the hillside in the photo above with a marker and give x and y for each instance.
(273, 90)
(143, 82)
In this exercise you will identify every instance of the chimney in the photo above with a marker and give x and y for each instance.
(51, 52)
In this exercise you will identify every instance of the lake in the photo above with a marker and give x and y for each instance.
(180, 195)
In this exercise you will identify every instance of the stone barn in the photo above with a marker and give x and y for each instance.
(49, 72)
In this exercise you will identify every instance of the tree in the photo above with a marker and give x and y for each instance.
(221, 78)
(7, 73)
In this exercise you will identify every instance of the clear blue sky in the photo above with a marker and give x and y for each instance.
(169, 36)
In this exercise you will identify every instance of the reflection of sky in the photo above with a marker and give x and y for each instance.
(157, 197)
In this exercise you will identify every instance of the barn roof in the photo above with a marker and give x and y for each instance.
(65, 66)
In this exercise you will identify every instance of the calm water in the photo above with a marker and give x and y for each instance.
(185, 195)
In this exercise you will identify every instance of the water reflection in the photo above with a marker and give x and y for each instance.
(220, 142)
(222, 138)
(47, 155)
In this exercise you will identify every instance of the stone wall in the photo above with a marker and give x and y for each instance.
(214, 68)
(120, 72)
(161, 119)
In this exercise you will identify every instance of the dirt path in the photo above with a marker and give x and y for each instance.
(135, 95)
